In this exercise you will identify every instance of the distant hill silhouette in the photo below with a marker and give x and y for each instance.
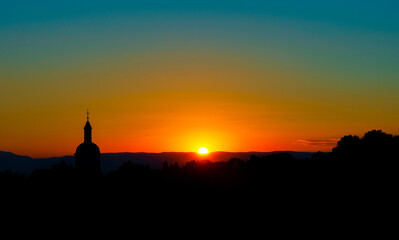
(26, 165)
(111, 161)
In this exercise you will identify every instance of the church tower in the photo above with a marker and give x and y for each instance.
(87, 155)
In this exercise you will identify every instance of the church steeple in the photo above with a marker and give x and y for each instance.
(87, 129)
(88, 155)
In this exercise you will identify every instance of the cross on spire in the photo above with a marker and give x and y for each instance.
(87, 114)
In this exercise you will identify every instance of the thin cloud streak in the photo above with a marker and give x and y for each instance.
(321, 143)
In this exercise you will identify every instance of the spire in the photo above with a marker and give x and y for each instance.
(87, 128)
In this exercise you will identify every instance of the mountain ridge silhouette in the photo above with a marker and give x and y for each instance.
(111, 161)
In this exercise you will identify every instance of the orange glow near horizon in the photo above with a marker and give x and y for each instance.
(181, 102)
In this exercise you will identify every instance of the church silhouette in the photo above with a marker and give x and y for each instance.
(87, 155)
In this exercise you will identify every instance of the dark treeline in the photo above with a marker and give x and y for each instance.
(357, 166)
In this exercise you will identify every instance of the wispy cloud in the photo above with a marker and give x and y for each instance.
(320, 143)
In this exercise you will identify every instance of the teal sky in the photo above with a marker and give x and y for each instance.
(323, 58)
(343, 37)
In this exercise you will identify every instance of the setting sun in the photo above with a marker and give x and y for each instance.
(203, 150)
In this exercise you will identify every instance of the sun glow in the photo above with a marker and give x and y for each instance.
(203, 150)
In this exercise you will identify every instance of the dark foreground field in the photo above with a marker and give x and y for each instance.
(358, 179)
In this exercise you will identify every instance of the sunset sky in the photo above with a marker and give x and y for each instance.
(161, 76)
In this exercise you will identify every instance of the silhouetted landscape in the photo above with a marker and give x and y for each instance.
(357, 167)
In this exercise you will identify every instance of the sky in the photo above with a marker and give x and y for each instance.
(160, 76)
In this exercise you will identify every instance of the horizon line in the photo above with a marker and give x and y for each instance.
(72, 155)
